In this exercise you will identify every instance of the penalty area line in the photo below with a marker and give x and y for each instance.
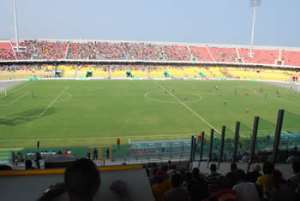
(53, 102)
(188, 108)
(15, 100)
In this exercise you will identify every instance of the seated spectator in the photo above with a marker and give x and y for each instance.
(162, 184)
(187, 177)
(294, 181)
(5, 167)
(172, 170)
(120, 189)
(281, 190)
(81, 182)
(197, 186)
(158, 173)
(214, 179)
(233, 176)
(55, 192)
(245, 191)
(223, 195)
(252, 176)
(177, 192)
(265, 181)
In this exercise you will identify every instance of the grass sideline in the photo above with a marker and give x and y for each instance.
(97, 112)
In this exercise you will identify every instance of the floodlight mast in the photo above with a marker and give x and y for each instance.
(16, 24)
(254, 4)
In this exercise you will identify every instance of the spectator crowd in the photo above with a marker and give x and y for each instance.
(145, 51)
(172, 184)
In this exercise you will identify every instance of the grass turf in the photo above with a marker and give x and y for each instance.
(89, 113)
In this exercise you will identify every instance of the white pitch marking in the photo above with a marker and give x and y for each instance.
(146, 95)
(18, 98)
(53, 102)
(189, 108)
(17, 87)
(14, 100)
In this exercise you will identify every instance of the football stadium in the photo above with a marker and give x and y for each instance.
(152, 117)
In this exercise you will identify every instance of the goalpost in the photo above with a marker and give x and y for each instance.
(3, 92)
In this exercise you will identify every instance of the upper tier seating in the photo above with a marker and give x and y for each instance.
(6, 52)
(177, 52)
(259, 56)
(200, 53)
(291, 58)
(144, 51)
(223, 54)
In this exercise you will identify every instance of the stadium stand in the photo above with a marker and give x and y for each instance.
(260, 74)
(224, 54)
(260, 56)
(177, 52)
(31, 187)
(200, 53)
(143, 51)
(146, 51)
(6, 51)
(168, 182)
(291, 58)
(145, 72)
(165, 182)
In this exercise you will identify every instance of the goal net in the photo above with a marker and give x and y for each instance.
(3, 92)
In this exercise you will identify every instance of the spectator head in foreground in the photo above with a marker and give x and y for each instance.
(294, 181)
(233, 167)
(268, 168)
(213, 168)
(195, 172)
(82, 180)
(296, 166)
(256, 168)
(176, 180)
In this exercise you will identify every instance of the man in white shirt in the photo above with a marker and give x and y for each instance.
(246, 191)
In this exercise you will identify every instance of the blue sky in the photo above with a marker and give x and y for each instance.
(195, 21)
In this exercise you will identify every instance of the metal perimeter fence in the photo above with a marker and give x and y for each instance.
(275, 141)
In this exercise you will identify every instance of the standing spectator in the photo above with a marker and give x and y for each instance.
(107, 153)
(245, 191)
(118, 142)
(88, 155)
(265, 181)
(20, 157)
(14, 158)
(169, 164)
(197, 186)
(38, 158)
(28, 164)
(177, 192)
(95, 154)
(214, 179)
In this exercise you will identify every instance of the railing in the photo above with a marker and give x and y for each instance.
(275, 142)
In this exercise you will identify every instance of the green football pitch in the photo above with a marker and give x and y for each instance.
(96, 112)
